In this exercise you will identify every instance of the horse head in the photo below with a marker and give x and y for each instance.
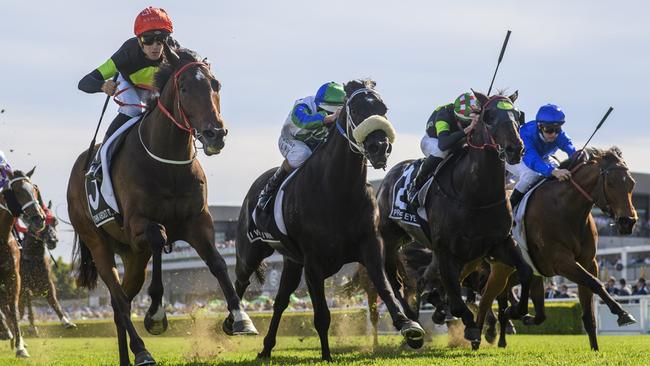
(192, 99)
(25, 195)
(368, 130)
(614, 188)
(49, 235)
(502, 120)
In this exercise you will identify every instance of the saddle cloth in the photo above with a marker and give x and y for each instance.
(519, 231)
(102, 204)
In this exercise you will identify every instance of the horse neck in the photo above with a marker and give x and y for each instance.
(162, 137)
(6, 224)
(339, 166)
(33, 247)
(482, 178)
(574, 203)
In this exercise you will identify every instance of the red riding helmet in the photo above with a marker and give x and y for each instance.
(152, 19)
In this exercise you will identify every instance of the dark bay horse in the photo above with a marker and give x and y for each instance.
(331, 218)
(562, 236)
(469, 216)
(18, 198)
(36, 274)
(161, 190)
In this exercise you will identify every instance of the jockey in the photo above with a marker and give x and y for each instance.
(447, 125)
(5, 169)
(305, 127)
(542, 138)
(136, 63)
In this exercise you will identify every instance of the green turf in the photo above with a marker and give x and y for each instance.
(210, 350)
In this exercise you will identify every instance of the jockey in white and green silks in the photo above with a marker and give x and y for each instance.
(305, 127)
(5, 168)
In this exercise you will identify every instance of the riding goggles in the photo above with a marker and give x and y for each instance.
(149, 39)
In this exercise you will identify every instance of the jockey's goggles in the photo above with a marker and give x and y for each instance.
(551, 129)
(149, 39)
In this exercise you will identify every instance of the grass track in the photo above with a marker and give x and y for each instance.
(211, 350)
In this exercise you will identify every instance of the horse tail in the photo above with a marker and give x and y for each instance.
(260, 273)
(87, 271)
(354, 284)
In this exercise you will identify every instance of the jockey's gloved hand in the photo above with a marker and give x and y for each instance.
(109, 87)
(332, 117)
(561, 174)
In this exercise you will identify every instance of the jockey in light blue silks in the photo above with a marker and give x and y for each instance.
(305, 127)
(542, 138)
(5, 169)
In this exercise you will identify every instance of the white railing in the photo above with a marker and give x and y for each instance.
(637, 306)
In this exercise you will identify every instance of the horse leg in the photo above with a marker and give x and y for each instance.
(494, 286)
(200, 235)
(569, 268)
(537, 296)
(21, 351)
(504, 321)
(508, 253)
(393, 275)
(586, 297)
(248, 262)
(291, 275)
(5, 333)
(27, 296)
(450, 274)
(105, 263)
(373, 311)
(373, 261)
(316, 285)
(54, 304)
(155, 320)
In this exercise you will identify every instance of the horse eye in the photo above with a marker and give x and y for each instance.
(216, 86)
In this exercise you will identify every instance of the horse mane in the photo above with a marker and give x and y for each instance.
(612, 155)
(356, 84)
(166, 71)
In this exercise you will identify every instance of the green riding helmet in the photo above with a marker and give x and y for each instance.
(330, 96)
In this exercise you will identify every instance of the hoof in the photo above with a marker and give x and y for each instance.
(144, 358)
(502, 344)
(473, 334)
(22, 353)
(438, 317)
(155, 327)
(70, 325)
(528, 319)
(510, 329)
(32, 331)
(264, 355)
(490, 335)
(413, 334)
(475, 346)
(226, 326)
(327, 358)
(625, 319)
(244, 327)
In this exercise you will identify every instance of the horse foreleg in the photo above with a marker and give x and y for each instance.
(509, 254)
(291, 275)
(566, 266)
(5, 333)
(450, 274)
(374, 263)
(588, 319)
(496, 283)
(316, 285)
(200, 235)
(373, 312)
(249, 261)
(155, 320)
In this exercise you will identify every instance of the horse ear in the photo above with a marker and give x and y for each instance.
(172, 57)
(482, 98)
(49, 205)
(514, 96)
(31, 172)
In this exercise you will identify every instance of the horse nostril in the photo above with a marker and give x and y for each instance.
(210, 134)
(373, 149)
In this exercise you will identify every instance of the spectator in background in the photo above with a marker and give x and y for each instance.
(610, 286)
(624, 289)
(551, 291)
(564, 292)
(640, 287)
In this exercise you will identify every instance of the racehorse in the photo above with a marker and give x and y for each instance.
(18, 198)
(36, 272)
(562, 235)
(161, 190)
(331, 217)
(468, 214)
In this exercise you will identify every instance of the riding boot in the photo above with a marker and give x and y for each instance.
(271, 186)
(94, 169)
(515, 198)
(427, 167)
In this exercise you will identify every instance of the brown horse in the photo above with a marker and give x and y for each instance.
(562, 236)
(18, 198)
(161, 190)
(36, 272)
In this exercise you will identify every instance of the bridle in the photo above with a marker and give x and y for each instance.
(350, 126)
(184, 123)
(492, 144)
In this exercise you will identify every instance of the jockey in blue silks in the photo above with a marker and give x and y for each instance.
(542, 138)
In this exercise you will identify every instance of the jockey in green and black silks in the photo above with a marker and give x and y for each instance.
(305, 127)
(446, 127)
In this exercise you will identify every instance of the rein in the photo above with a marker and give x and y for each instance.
(185, 125)
(355, 147)
(601, 203)
(30, 203)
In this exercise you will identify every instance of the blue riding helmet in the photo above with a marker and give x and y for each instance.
(330, 96)
(550, 114)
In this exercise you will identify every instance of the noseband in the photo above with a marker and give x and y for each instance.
(355, 147)
(492, 144)
(34, 201)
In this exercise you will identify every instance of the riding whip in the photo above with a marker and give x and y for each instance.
(91, 148)
(503, 50)
(598, 127)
